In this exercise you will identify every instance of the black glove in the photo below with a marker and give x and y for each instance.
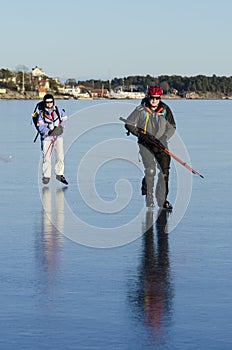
(58, 130)
(150, 141)
(142, 137)
(132, 129)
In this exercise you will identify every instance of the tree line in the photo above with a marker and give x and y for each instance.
(170, 83)
(173, 83)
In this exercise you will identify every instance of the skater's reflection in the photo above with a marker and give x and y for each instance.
(50, 239)
(155, 289)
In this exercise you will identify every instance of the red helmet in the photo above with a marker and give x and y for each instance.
(155, 90)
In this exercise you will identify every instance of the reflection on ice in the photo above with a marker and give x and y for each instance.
(152, 296)
(50, 238)
(58, 293)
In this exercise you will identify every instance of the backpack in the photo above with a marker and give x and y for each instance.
(40, 107)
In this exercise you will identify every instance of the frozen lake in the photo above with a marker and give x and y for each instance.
(88, 267)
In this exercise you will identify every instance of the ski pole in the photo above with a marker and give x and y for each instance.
(158, 144)
(165, 150)
(36, 137)
(50, 147)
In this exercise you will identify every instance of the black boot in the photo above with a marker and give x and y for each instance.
(62, 179)
(45, 180)
(167, 205)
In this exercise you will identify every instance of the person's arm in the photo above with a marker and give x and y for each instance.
(169, 127)
(63, 117)
(171, 124)
(59, 126)
(132, 122)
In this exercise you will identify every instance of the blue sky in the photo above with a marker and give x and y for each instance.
(103, 39)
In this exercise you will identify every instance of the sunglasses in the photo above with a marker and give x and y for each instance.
(154, 97)
(49, 101)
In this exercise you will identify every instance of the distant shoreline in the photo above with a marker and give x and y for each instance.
(13, 95)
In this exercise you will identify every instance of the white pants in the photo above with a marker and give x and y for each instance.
(48, 148)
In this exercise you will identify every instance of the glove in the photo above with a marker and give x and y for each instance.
(58, 130)
(132, 129)
(151, 141)
(142, 137)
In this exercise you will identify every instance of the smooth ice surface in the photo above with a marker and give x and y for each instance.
(153, 289)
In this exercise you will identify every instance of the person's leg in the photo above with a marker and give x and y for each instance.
(59, 152)
(149, 170)
(162, 187)
(46, 167)
(59, 164)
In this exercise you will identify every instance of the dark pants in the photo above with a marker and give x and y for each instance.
(153, 159)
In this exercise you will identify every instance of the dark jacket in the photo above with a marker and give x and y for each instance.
(159, 123)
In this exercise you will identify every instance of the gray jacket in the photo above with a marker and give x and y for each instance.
(159, 123)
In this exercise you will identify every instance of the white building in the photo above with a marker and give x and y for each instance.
(37, 72)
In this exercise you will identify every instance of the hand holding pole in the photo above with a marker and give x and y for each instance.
(154, 142)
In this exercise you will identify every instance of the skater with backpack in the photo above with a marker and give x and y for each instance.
(50, 122)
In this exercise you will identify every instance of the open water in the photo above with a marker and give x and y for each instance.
(87, 266)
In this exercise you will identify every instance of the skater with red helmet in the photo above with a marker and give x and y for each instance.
(153, 118)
